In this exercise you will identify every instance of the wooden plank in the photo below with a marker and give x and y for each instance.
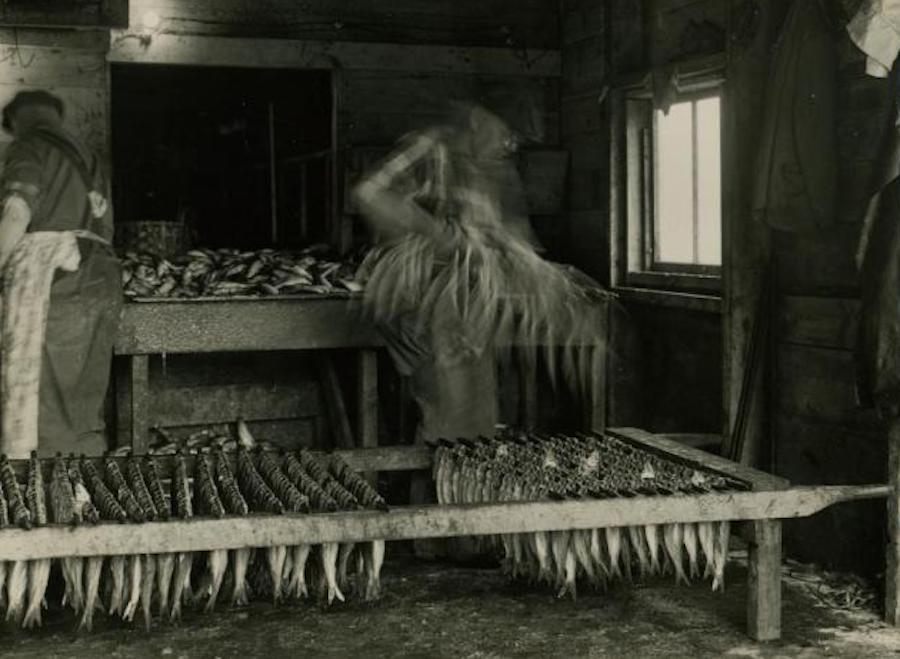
(121, 383)
(247, 325)
(892, 567)
(384, 128)
(139, 386)
(529, 23)
(760, 480)
(745, 244)
(819, 264)
(819, 383)
(584, 65)
(412, 522)
(417, 92)
(45, 67)
(825, 322)
(221, 403)
(674, 299)
(596, 408)
(367, 402)
(128, 47)
(69, 40)
(66, 14)
(764, 581)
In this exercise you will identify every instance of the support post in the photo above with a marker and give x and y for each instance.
(132, 384)
(764, 581)
(367, 403)
(892, 557)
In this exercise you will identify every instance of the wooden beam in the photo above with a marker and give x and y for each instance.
(892, 567)
(146, 48)
(139, 388)
(367, 402)
(418, 522)
(824, 322)
(80, 14)
(223, 403)
(764, 581)
(249, 325)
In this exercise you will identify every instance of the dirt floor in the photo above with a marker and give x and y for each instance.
(440, 610)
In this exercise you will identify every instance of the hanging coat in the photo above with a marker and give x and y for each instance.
(796, 177)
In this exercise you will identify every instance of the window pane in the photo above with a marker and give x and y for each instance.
(709, 193)
(674, 179)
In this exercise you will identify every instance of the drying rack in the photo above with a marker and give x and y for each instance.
(769, 501)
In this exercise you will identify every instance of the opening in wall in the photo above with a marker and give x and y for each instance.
(242, 155)
(668, 176)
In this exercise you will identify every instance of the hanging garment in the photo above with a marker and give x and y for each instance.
(796, 178)
(26, 300)
(875, 29)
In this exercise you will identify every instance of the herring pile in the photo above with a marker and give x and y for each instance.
(231, 272)
(530, 468)
(133, 490)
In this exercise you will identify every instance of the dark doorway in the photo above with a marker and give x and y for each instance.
(240, 154)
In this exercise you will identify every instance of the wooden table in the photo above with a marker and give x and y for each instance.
(245, 325)
(313, 322)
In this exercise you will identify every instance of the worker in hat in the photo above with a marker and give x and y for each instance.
(456, 273)
(61, 280)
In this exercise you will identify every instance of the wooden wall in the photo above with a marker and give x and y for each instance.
(821, 434)
(395, 69)
(665, 372)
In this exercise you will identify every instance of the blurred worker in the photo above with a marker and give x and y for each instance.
(455, 273)
(55, 247)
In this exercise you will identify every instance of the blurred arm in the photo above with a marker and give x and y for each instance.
(389, 211)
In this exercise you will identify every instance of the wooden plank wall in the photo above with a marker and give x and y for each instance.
(395, 69)
(664, 373)
(821, 434)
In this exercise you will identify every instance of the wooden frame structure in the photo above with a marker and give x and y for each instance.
(769, 501)
(313, 322)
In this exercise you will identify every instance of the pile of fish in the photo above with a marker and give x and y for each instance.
(192, 482)
(530, 467)
(230, 272)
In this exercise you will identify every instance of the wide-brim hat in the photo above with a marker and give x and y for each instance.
(30, 98)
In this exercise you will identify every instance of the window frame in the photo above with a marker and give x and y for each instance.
(633, 198)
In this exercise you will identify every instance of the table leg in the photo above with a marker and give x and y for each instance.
(367, 401)
(764, 581)
(892, 567)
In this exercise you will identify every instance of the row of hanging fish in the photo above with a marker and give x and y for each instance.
(230, 272)
(135, 490)
(531, 467)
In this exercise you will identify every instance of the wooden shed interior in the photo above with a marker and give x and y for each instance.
(186, 98)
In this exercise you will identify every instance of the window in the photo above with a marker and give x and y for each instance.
(667, 184)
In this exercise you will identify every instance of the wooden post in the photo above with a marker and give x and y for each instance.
(764, 581)
(528, 399)
(132, 375)
(367, 403)
(892, 568)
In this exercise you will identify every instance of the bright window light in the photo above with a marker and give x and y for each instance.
(688, 210)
